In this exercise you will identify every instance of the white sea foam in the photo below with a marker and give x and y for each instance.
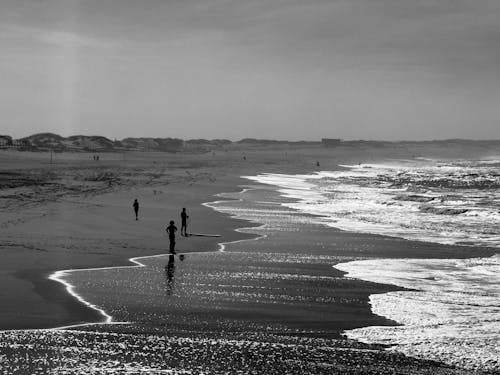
(443, 202)
(453, 314)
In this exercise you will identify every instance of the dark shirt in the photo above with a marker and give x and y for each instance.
(184, 216)
(171, 229)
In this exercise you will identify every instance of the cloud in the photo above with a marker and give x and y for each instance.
(69, 39)
(57, 38)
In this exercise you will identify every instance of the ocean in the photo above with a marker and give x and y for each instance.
(451, 312)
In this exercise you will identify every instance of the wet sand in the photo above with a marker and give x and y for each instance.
(288, 319)
(99, 232)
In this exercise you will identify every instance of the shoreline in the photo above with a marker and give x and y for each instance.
(442, 315)
(467, 252)
(121, 247)
(59, 275)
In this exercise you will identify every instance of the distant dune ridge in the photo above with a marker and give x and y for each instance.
(96, 143)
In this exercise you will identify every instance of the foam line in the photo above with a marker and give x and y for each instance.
(448, 312)
(70, 288)
(239, 230)
(59, 277)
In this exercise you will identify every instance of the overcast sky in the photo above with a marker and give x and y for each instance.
(282, 69)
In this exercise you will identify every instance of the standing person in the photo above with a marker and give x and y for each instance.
(136, 209)
(184, 217)
(171, 229)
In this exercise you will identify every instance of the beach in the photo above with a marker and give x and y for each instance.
(264, 297)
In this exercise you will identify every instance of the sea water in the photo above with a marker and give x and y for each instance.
(452, 313)
(445, 202)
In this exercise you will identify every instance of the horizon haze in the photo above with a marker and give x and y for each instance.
(359, 69)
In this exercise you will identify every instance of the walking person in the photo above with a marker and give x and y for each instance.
(171, 229)
(136, 209)
(184, 217)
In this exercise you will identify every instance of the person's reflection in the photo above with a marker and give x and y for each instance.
(169, 272)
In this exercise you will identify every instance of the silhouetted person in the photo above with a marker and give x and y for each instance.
(136, 209)
(171, 229)
(184, 217)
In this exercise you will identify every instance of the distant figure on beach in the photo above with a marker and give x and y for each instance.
(136, 209)
(317, 164)
(184, 217)
(171, 229)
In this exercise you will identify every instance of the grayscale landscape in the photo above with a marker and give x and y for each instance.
(249, 187)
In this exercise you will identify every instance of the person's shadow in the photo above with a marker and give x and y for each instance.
(170, 271)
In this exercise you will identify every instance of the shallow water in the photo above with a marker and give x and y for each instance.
(225, 292)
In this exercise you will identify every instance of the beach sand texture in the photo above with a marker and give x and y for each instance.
(271, 304)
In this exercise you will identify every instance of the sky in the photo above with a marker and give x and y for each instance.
(233, 69)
